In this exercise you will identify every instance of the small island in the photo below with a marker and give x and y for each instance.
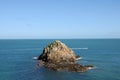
(57, 56)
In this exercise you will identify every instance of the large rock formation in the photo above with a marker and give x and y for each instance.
(56, 52)
(57, 56)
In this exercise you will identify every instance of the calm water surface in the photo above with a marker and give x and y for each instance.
(16, 61)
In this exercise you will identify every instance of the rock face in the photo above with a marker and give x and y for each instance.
(56, 52)
(57, 56)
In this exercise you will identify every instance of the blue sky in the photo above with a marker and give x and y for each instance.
(36, 19)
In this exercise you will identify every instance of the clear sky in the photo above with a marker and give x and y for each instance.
(31, 19)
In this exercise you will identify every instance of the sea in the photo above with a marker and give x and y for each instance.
(17, 63)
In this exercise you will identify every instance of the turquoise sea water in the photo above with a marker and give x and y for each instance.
(16, 61)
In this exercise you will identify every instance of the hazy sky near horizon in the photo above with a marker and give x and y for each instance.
(22, 19)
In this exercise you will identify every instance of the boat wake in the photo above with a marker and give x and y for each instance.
(80, 48)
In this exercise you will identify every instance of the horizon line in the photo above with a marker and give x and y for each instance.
(51, 38)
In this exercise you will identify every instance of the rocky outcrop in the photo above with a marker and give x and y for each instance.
(57, 56)
(56, 52)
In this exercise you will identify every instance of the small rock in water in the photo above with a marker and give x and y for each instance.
(78, 57)
(57, 56)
